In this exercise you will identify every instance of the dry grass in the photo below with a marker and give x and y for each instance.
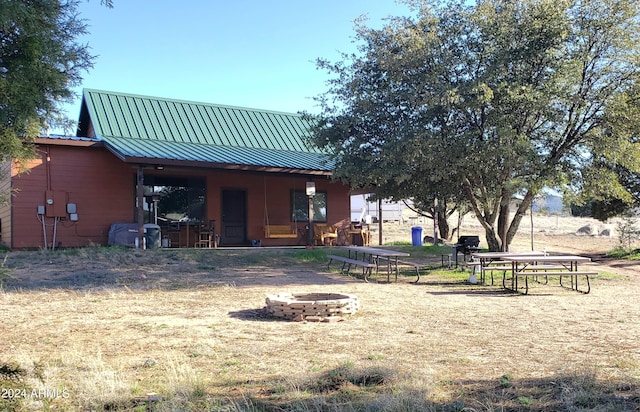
(112, 329)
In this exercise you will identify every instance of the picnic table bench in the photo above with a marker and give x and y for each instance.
(526, 274)
(548, 265)
(417, 267)
(370, 258)
(367, 267)
(375, 255)
(534, 265)
(506, 267)
(493, 261)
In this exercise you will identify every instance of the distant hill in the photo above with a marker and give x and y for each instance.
(549, 203)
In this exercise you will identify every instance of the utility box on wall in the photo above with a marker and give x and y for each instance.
(55, 203)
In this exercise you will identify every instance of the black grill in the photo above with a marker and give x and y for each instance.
(466, 245)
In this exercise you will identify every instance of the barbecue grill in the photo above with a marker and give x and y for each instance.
(466, 245)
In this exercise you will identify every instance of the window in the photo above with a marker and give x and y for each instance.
(300, 206)
(174, 199)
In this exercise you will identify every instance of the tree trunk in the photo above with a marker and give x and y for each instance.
(503, 224)
(443, 226)
(487, 220)
(499, 238)
(492, 239)
(506, 230)
(520, 213)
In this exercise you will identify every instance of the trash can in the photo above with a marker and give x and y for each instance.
(416, 236)
(152, 236)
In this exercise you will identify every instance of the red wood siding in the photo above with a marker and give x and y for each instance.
(5, 205)
(102, 187)
(98, 183)
(278, 200)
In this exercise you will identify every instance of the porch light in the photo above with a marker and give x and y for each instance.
(311, 188)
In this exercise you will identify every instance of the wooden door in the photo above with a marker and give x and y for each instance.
(234, 217)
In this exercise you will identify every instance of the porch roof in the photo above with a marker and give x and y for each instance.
(155, 130)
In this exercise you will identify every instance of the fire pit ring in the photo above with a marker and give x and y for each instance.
(312, 306)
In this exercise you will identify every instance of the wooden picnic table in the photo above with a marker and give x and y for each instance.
(373, 255)
(547, 265)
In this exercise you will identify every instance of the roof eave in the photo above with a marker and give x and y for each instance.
(68, 142)
(225, 166)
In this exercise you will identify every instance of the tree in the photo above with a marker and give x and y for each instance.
(40, 62)
(487, 101)
(628, 231)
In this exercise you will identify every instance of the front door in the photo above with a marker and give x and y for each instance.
(234, 217)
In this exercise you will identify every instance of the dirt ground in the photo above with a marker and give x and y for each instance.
(553, 234)
(197, 318)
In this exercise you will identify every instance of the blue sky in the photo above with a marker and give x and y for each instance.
(249, 53)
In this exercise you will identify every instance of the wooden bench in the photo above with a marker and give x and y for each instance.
(367, 267)
(561, 273)
(280, 232)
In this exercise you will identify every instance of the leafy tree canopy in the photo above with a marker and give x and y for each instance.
(488, 100)
(40, 62)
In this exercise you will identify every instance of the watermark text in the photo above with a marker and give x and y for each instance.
(35, 393)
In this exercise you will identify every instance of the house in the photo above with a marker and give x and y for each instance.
(142, 162)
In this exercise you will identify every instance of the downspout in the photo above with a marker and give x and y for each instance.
(47, 169)
(44, 232)
(55, 229)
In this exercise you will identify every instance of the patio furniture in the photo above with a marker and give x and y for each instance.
(361, 233)
(280, 232)
(206, 235)
(324, 233)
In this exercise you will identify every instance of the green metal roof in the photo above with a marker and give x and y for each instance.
(151, 129)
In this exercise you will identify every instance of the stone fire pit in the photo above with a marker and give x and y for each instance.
(317, 307)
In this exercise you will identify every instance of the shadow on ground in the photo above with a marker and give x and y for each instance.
(116, 268)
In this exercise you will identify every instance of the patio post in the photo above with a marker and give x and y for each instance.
(140, 202)
(311, 191)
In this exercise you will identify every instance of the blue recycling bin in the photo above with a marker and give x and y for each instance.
(416, 236)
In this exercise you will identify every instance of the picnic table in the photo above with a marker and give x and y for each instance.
(531, 265)
(369, 258)
(491, 261)
(548, 265)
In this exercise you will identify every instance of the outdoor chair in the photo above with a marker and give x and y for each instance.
(206, 236)
(324, 233)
